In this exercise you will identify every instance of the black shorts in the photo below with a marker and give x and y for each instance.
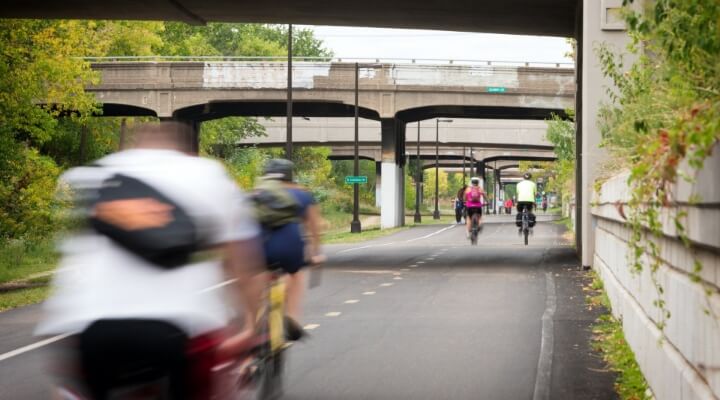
(474, 210)
(522, 204)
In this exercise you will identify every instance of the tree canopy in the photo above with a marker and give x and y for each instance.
(48, 122)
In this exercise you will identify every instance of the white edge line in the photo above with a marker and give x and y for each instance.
(431, 234)
(218, 286)
(364, 247)
(37, 345)
(544, 368)
(17, 352)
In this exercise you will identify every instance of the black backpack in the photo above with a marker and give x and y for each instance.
(169, 244)
(274, 206)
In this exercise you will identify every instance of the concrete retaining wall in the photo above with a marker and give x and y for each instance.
(682, 361)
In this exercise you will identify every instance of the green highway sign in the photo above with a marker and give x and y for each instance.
(495, 89)
(355, 179)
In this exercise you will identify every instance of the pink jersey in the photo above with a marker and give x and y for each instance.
(468, 198)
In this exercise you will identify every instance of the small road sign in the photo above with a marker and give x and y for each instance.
(495, 89)
(349, 180)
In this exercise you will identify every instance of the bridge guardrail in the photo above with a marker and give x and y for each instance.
(427, 61)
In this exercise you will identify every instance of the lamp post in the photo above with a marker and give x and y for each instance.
(464, 177)
(355, 224)
(418, 177)
(288, 138)
(436, 213)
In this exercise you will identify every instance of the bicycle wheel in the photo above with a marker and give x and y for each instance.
(525, 233)
(270, 377)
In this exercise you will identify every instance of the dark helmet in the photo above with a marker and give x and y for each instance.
(527, 175)
(279, 168)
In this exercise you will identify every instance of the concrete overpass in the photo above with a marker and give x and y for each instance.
(476, 133)
(200, 91)
(393, 94)
(529, 17)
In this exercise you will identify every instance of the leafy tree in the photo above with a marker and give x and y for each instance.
(131, 38)
(429, 186)
(40, 80)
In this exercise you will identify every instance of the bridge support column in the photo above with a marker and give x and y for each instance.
(378, 184)
(195, 126)
(479, 171)
(591, 92)
(392, 192)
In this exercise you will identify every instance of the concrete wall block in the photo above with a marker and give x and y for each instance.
(705, 186)
(695, 334)
(702, 223)
(668, 371)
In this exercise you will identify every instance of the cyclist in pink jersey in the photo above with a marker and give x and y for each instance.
(474, 199)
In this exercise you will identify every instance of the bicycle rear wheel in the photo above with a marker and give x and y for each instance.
(474, 231)
(270, 376)
(525, 233)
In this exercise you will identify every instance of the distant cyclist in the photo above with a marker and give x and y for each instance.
(474, 198)
(294, 243)
(526, 191)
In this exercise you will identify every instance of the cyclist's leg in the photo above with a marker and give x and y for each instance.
(295, 291)
(468, 220)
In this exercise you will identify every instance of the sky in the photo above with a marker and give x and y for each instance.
(351, 42)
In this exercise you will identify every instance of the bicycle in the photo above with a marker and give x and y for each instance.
(525, 224)
(474, 226)
(268, 364)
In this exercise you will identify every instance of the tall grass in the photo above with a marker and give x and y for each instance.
(20, 259)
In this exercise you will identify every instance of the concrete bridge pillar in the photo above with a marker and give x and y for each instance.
(195, 126)
(480, 170)
(595, 25)
(378, 183)
(392, 192)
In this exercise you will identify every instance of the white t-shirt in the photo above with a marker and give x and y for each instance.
(98, 279)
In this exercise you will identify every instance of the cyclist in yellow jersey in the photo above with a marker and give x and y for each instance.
(526, 192)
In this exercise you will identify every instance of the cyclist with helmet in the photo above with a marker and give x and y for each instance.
(474, 199)
(526, 191)
(294, 244)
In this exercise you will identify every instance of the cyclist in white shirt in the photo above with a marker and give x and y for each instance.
(127, 301)
(526, 192)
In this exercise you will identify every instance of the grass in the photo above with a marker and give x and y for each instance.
(609, 339)
(20, 263)
(366, 234)
(19, 260)
(23, 297)
(339, 226)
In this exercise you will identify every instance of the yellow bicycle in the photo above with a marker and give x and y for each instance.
(270, 357)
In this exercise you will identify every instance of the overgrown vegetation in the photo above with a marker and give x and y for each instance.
(608, 338)
(664, 114)
(48, 123)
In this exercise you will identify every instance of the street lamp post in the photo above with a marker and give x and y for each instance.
(418, 176)
(495, 190)
(436, 213)
(355, 224)
(288, 139)
(464, 178)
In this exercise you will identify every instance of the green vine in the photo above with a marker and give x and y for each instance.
(664, 111)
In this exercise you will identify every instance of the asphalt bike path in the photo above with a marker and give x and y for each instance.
(419, 314)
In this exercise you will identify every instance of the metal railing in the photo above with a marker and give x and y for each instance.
(282, 59)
